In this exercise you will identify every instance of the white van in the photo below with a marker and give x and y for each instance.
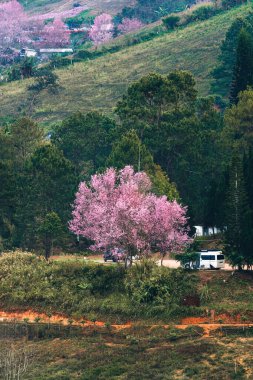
(211, 259)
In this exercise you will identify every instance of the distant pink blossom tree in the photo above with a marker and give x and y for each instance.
(118, 210)
(13, 25)
(102, 29)
(129, 25)
(55, 34)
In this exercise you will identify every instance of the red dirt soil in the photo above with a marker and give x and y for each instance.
(207, 324)
(33, 317)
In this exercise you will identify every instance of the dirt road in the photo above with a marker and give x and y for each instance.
(169, 263)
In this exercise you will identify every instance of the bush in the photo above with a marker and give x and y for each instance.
(24, 278)
(171, 22)
(147, 283)
(202, 13)
(227, 4)
(102, 279)
(84, 54)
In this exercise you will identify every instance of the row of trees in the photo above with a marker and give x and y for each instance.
(190, 151)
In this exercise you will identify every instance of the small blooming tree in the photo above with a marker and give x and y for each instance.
(102, 29)
(129, 25)
(13, 21)
(55, 35)
(118, 210)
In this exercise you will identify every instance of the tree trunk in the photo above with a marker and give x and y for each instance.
(48, 248)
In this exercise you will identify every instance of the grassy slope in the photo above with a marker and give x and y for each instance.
(100, 83)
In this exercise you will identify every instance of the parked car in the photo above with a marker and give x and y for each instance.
(208, 259)
(115, 255)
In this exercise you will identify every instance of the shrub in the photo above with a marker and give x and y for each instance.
(227, 4)
(202, 13)
(171, 22)
(147, 283)
(103, 279)
(24, 277)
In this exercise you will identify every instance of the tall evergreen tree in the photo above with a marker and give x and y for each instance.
(243, 69)
(129, 150)
(239, 226)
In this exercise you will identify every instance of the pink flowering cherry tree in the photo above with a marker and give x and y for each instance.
(102, 29)
(117, 210)
(55, 34)
(13, 21)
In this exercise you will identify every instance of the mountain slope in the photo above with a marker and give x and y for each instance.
(100, 83)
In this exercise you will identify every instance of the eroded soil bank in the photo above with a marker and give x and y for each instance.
(208, 324)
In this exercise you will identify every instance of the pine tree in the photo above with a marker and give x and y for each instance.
(243, 69)
(239, 226)
(129, 150)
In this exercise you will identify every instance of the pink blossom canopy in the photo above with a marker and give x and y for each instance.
(118, 210)
(102, 29)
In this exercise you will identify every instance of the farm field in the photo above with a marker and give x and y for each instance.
(96, 85)
(141, 352)
(74, 319)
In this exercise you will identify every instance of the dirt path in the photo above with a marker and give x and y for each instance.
(34, 317)
(31, 316)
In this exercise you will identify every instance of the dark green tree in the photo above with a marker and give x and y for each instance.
(26, 135)
(239, 227)
(243, 69)
(45, 79)
(86, 140)
(223, 73)
(50, 229)
(129, 150)
(8, 187)
(179, 131)
(149, 100)
(48, 185)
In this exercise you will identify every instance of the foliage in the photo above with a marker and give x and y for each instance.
(45, 79)
(202, 13)
(129, 25)
(25, 278)
(22, 70)
(171, 22)
(55, 35)
(190, 255)
(49, 186)
(223, 73)
(239, 222)
(129, 150)
(116, 210)
(243, 70)
(102, 29)
(237, 131)
(146, 283)
(85, 140)
(177, 130)
(150, 11)
(25, 136)
(227, 4)
(50, 229)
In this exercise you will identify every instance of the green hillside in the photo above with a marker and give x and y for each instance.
(98, 84)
